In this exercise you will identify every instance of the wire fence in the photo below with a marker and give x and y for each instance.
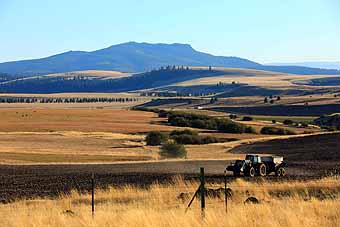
(198, 190)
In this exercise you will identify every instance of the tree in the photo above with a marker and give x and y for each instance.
(233, 116)
(173, 150)
(155, 138)
(288, 122)
(265, 100)
(247, 118)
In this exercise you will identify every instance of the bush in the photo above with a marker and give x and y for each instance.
(183, 119)
(209, 139)
(288, 122)
(155, 138)
(247, 118)
(194, 139)
(162, 114)
(233, 116)
(197, 123)
(274, 121)
(179, 121)
(276, 131)
(230, 127)
(191, 137)
(249, 129)
(173, 150)
(183, 132)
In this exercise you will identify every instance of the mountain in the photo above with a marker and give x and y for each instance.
(138, 57)
(126, 57)
(313, 64)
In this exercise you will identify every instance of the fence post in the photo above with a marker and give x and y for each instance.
(202, 191)
(92, 190)
(225, 191)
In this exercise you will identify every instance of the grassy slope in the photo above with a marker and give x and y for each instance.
(159, 206)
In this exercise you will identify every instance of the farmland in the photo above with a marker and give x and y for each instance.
(49, 150)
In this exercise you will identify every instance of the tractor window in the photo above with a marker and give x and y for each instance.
(252, 158)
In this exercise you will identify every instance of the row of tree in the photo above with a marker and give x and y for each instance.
(63, 100)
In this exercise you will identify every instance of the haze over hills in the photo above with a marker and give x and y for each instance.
(313, 64)
(139, 57)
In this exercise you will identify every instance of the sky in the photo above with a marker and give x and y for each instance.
(260, 30)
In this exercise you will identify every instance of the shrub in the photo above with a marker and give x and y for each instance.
(247, 118)
(191, 137)
(208, 139)
(249, 129)
(288, 122)
(173, 150)
(197, 123)
(274, 121)
(276, 131)
(183, 132)
(230, 128)
(155, 138)
(179, 121)
(233, 116)
(162, 114)
(194, 139)
(183, 119)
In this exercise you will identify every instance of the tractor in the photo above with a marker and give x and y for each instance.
(255, 165)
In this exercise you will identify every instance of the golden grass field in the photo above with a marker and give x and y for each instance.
(291, 204)
(258, 78)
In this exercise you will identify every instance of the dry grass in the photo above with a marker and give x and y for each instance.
(159, 206)
(258, 78)
(84, 120)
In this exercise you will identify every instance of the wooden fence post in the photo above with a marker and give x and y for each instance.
(202, 191)
(92, 187)
(225, 191)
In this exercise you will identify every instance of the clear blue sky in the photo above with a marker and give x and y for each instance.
(260, 30)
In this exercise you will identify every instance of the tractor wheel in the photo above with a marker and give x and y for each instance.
(280, 172)
(251, 172)
(262, 171)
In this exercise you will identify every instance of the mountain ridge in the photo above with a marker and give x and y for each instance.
(139, 57)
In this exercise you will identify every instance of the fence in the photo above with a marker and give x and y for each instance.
(202, 191)
(198, 191)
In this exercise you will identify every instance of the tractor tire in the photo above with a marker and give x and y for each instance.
(280, 172)
(250, 172)
(262, 170)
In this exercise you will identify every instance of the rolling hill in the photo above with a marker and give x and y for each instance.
(223, 82)
(139, 57)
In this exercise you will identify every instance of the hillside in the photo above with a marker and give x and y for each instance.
(139, 57)
(112, 82)
(223, 82)
(332, 121)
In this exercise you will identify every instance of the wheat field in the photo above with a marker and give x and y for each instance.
(158, 205)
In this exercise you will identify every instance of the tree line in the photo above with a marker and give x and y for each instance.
(63, 100)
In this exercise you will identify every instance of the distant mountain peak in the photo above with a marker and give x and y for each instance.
(138, 57)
